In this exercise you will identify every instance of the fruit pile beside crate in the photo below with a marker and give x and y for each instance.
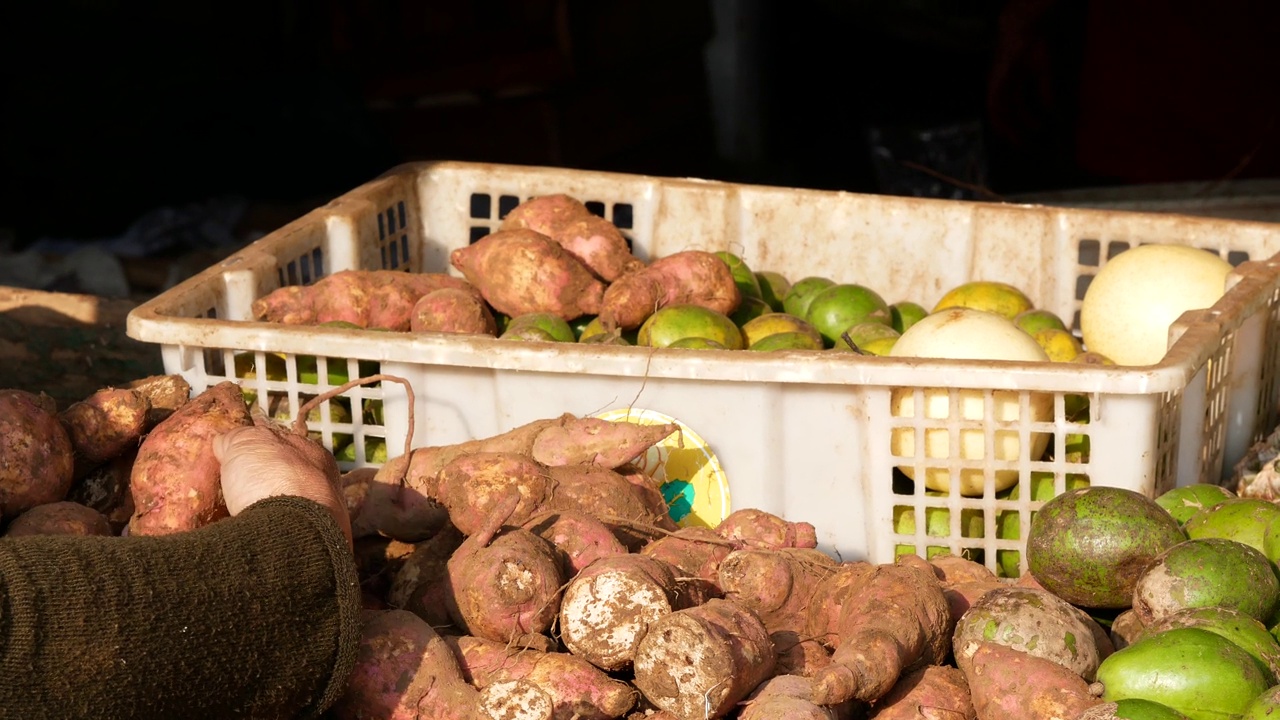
(803, 434)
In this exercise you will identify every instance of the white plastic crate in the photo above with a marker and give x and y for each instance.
(802, 434)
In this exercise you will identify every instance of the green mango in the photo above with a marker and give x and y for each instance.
(1009, 522)
(1183, 502)
(1208, 572)
(554, 325)
(743, 277)
(773, 288)
(1264, 707)
(1194, 671)
(1245, 631)
(1241, 519)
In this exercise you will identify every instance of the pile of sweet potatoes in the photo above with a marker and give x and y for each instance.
(551, 256)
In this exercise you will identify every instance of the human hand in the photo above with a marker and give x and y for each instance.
(265, 460)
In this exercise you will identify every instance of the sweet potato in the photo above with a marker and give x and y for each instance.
(1033, 621)
(700, 662)
(579, 539)
(378, 561)
(961, 596)
(799, 655)
(896, 620)
(104, 425)
(175, 481)
(787, 697)
(576, 687)
(516, 700)
(1006, 683)
(696, 552)
(503, 582)
(36, 456)
(470, 486)
(450, 310)
(522, 271)
(590, 238)
(366, 298)
(778, 585)
(830, 597)
(405, 671)
(754, 528)
(59, 518)
(953, 569)
(421, 585)
(106, 489)
(932, 691)
(692, 277)
(380, 503)
(608, 497)
(607, 608)
(164, 393)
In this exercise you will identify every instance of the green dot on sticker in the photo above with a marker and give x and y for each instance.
(679, 497)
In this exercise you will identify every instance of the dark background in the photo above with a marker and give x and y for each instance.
(112, 108)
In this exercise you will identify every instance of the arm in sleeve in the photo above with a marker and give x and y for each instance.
(256, 615)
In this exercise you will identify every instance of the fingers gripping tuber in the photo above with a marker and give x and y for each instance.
(522, 271)
(577, 688)
(897, 620)
(504, 586)
(694, 277)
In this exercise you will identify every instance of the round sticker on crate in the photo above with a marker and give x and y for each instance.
(692, 481)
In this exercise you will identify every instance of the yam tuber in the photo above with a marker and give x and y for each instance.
(932, 691)
(896, 620)
(610, 605)
(590, 238)
(105, 425)
(799, 655)
(830, 597)
(379, 502)
(420, 585)
(607, 496)
(699, 662)
(503, 583)
(787, 697)
(577, 688)
(59, 518)
(1006, 683)
(692, 277)
(753, 528)
(961, 596)
(36, 457)
(365, 298)
(175, 481)
(450, 310)
(405, 671)
(778, 585)
(522, 271)
(953, 569)
(696, 552)
(579, 539)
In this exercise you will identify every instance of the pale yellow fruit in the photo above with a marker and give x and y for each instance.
(1138, 294)
(1059, 345)
(964, 333)
(993, 297)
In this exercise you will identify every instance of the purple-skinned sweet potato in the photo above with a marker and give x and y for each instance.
(450, 310)
(693, 277)
(175, 483)
(753, 528)
(577, 688)
(365, 298)
(522, 271)
(36, 456)
(579, 539)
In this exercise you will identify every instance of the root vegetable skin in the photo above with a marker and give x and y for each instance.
(961, 596)
(690, 277)
(609, 497)
(1006, 683)
(778, 585)
(522, 271)
(106, 489)
(940, 688)
(165, 393)
(799, 656)
(379, 503)
(105, 425)
(450, 310)
(420, 585)
(898, 619)
(175, 481)
(752, 528)
(36, 456)
(1033, 621)
(366, 298)
(610, 605)
(700, 662)
(953, 569)
(577, 688)
(579, 538)
(405, 671)
(504, 586)
(590, 238)
(60, 518)
(786, 697)
(829, 599)
(471, 486)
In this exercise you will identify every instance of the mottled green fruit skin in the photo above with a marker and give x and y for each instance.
(1029, 620)
(743, 277)
(1241, 519)
(1271, 542)
(1089, 546)
(840, 307)
(1184, 502)
(1264, 707)
(554, 325)
(675, 322)
(773, 288)
(1033, 321)
(796, 301)
(1196, 672)
(903, 315)
(863, 333)
(786, 341)
(749, 309)
(1132, 709)
(1208, 572)
(528, 333)
(697, 343)
(1246, 632)
(1009, 522)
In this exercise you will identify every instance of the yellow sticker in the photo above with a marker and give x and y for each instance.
(692, 481)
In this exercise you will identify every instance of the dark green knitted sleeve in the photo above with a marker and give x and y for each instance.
(253, 616)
